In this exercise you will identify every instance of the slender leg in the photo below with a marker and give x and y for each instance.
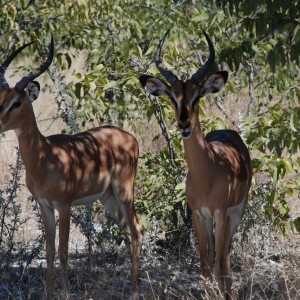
(235, 216)
(128, 218)
(226, 226)
(48, 219)
(203, 229)
(204, 234)
(64, 230)
(221, 252)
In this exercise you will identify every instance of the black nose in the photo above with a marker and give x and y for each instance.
(185, 133)
(184, 124)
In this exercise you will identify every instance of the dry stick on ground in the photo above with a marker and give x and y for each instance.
(286, 286)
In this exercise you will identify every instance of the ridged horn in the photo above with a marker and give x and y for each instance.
(3, 83)
(22, 84)
(196, 78)
(171, 78)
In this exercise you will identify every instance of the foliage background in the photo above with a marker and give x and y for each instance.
(258, 42)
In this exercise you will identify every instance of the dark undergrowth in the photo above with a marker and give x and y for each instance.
(260, 269)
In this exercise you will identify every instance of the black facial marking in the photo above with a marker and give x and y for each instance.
(183, 114)
(174, 102)
(15, 105)
(195, 101)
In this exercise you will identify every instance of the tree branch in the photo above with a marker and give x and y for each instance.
(220, 106)
(250, 85)
(164, 129)
(65, 104)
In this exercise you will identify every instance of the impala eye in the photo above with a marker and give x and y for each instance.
(15, 105)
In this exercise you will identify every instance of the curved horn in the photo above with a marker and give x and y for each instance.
(21, 85)
(162, 69)
(4, 66)
(196, 78)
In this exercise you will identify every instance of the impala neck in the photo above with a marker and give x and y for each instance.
(196, 150)
(31, 143)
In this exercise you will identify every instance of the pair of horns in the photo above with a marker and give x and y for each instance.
(22, 84)
(171, 78)
(196, 78)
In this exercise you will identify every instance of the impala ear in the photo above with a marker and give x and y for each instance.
(214, 83)
(155, 86)
(33, 90)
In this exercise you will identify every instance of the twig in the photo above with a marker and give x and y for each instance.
(150, 284)
(250, 85)
(286, 286)
(65, 104)
(199, 56)
(5, 3)
(164, 129)
(220, 106)
(178, 4)
(252, 277)
(11, 44)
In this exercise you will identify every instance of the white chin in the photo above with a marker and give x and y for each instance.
(18, 132)
(186, 134)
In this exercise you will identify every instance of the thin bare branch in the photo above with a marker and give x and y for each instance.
(164, 129)
(250, 87)
(221, 107)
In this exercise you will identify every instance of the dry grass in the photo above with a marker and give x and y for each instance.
(263, 267)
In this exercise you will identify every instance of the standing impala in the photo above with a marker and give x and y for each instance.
(63, 170)
(220, 171)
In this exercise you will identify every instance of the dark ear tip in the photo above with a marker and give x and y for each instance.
(37, 84)
(143, 79)
(224, 74)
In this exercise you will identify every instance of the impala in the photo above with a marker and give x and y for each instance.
(63, 170)
(219, 165)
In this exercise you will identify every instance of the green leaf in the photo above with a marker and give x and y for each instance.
(296, 223)
(110, 85)
(78, 90)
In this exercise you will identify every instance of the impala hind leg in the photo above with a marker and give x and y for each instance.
(48, 218)
(129, 219)
(133, 229)
(204, 234)
(64, 230)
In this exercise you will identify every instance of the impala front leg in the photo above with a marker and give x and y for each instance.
(203, 228)
(226, 224)
(48, 218)
(64, 230)
(204, 234)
